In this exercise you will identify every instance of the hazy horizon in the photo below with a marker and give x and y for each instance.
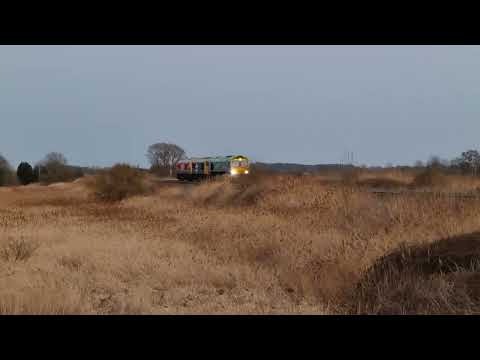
(288, 104)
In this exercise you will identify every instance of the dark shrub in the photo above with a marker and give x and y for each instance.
(160, 171)
(36, 173)
(25, 173)
(77, 173)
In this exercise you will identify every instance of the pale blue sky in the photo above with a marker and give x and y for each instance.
(306, 104)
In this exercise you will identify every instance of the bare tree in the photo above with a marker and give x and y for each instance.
(55, 158)
(418, 164)
(469, 161)
(4, 164)
(165, 155)
(53, 168)
(436, 162)
(5, 171)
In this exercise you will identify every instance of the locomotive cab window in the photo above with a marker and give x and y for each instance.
(240, 163)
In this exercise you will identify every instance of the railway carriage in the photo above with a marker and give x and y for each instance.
(202, 168)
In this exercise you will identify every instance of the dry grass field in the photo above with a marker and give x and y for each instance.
(258, 245)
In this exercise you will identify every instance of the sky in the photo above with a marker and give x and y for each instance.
(99, 105)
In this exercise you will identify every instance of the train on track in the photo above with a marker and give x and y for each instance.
(202, 168)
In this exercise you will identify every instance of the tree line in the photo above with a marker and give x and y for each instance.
(164, 156)
(468, 163)
(53, 168)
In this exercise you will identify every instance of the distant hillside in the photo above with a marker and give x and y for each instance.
(300, 168)
(83, 169)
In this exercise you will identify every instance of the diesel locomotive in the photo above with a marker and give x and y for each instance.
(202, 168)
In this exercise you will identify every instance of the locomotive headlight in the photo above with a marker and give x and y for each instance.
(233, 171)
(246, 171)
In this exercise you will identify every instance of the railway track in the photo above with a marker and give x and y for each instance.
(376, 191)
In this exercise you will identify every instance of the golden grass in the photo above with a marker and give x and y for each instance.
(257, 245)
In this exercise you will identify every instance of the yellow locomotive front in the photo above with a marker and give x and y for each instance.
(239, 165)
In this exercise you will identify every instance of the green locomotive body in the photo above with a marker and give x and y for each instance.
(207, 167)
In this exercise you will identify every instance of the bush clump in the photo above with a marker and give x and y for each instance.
(118, 183)
(431, 177)
(17, 249)
(437, 278)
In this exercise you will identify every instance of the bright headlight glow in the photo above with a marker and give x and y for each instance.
(233, 171)
(246, 171)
